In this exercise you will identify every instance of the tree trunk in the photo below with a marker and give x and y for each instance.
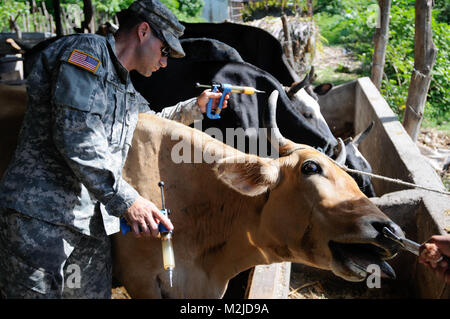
(424, 58)
(381, 39)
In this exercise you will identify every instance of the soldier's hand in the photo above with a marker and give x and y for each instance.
(203, 99)
(143, 217)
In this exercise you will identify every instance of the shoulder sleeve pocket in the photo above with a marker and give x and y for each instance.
(74, 87)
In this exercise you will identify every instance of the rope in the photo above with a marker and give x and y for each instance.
(392, 180)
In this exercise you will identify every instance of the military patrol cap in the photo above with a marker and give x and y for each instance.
(164, 21)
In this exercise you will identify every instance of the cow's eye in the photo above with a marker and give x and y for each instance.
(308, 115)
(310, 168)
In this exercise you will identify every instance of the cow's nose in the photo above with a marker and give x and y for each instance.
(393, 227)
(392, 246)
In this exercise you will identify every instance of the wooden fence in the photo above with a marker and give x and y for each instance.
(37, 19)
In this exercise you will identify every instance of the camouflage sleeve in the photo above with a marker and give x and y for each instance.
(185, 112)
(80, 137)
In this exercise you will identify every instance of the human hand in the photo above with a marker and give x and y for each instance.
(203, 99)
(143, 217)
(432, 250)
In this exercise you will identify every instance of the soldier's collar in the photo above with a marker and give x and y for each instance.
(121, 70)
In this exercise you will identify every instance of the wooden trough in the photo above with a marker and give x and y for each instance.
(349, 108)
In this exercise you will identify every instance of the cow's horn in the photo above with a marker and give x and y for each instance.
(361, 136)
(275, 137)
(298, 86)
(340, 159)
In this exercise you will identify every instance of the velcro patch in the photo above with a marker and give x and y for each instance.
(84, 60)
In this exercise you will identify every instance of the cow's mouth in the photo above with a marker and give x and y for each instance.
(354, 261)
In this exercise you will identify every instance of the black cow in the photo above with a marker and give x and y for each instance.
(255, 45)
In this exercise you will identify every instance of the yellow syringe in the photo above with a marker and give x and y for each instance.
(234, 88)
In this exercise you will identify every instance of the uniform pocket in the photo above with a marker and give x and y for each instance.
(130, 118)
(74, 87)
(18, 273)
(117, 124)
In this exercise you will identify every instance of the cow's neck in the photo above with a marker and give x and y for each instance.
(229, 244)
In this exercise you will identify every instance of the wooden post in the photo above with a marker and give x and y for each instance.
(424, 58)
(287, 46)
(34, 6)
(24, 22)
(41, 24)
(47, 17)
(381, 39)
(310, 8)
(65, 24)
(14, 27)
(33, 17)
(28, 17)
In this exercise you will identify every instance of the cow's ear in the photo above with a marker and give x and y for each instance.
(249, 175)
(322, 89)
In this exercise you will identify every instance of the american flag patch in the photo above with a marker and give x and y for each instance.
(84, 60)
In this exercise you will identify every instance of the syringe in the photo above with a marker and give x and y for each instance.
(225, 88)
(166, 239)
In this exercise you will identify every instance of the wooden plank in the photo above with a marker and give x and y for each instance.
(270, 281)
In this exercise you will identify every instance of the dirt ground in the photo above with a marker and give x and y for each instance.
(439, 143)
(335, 64)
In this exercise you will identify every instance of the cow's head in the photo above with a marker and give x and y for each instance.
(312, 212)
(305, 102)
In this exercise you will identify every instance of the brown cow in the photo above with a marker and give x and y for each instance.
(232, 211)
(241, 210)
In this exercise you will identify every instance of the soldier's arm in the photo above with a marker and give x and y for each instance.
(79, 100)
(190, 110)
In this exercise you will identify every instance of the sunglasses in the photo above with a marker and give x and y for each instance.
(165, 50)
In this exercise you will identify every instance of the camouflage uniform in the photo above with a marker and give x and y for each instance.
(65, 176)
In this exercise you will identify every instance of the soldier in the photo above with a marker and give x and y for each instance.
(63, 194)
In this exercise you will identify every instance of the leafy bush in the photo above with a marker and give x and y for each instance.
(10, 8)
(331, 7)
(191, 8)
(442, 8)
